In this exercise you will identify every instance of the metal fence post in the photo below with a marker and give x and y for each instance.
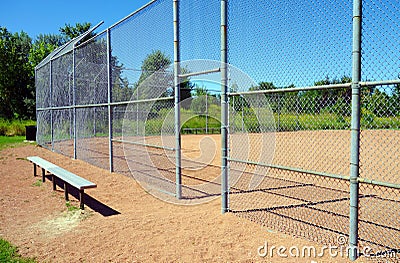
(74, 101)
(224, 108)
(178, 171)
(51, 105)
(355, 130)
(109, 99)
(206, 112)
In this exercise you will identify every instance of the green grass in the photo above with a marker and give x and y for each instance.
(38, 183)
(14, 127)
(71, 207)
(9, 253)
(11, 141)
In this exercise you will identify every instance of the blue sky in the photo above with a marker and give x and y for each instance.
(44, 16)
(284, 42)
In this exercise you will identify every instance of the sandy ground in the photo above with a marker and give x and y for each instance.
(123, 223)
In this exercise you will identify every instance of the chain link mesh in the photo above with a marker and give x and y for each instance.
(61, 95)
(138, 126)
(91, 89)
(286, 147)
(278, 176)
(199, 39)
(42, 81)
(290, 42)
(380, 124)
(296, 190)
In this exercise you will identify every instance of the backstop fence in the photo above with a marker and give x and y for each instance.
(310, 147)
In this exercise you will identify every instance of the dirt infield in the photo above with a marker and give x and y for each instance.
(122, 223)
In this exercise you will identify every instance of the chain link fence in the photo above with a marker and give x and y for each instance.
(308, 129)
(299, 54)
(380, 123)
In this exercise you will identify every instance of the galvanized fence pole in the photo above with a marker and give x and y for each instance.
(36, 107)
(224, 108)
(109, 100)
(137, 111)
(178, 169)
(94, 113)
(74, 101)
(51, 105)
(355, 130)
(69, 104)
(206, 112)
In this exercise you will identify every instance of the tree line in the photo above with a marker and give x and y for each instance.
(379, 101)
(19, 55)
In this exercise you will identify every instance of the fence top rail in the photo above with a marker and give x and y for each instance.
(66, 48)
(133, 13)
(104, 104)
(380, 83)
(333, 86)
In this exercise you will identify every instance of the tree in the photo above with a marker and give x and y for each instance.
(71, 32)
(263, 85)
(200, 91)
(16, 79)
(202, 100)
(18, 59)
(161, 81)
(380, 104)
(333, 100)
(56, 40)
(158, 85)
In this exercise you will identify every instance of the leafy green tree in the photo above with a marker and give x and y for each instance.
(395, 100)
(16, 79)
(18, 58)
(332, 100)
(71, 32)
(237, 102)
(202, 99)
(157, 85)
(161, 82)
(380, 104)
(51, 39)
(200, 91)
(263, 86)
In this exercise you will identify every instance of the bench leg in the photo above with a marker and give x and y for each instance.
(66, 192)
(81, 199)
(34, 169)
(54, 182)
(43, 176)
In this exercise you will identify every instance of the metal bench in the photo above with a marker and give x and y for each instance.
(69, 179)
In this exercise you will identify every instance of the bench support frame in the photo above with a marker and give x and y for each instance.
(66, 184)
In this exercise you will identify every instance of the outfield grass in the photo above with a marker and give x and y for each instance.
(9, 253)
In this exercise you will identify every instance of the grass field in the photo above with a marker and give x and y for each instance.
(11, 141)
(9, 253)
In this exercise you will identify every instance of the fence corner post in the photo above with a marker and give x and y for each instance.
(224, 109)
(355, 131)
(178, 169)
(109, 99)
